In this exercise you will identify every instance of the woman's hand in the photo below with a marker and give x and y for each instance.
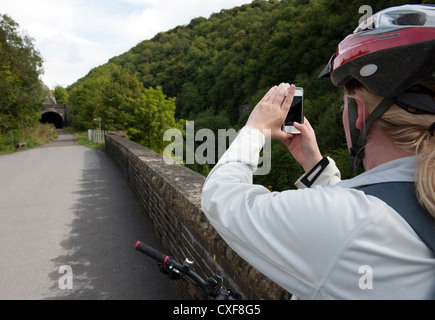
(303, 146)
(270, 113)
(268, 117)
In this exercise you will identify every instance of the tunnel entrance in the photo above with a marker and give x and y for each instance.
(54, 118)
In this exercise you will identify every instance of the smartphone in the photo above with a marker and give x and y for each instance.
(296, 112)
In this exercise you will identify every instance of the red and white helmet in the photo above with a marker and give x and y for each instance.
(388, 53)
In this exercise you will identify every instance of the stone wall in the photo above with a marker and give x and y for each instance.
(171, 198)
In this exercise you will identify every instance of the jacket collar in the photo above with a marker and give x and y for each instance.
(402, 170)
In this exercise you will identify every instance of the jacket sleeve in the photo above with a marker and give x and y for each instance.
(325, 173)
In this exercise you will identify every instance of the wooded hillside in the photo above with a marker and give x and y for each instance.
(217, 69)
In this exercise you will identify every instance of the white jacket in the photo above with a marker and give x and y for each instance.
(323, 242)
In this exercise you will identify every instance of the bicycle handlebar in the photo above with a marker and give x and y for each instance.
(177, 271)
(151, 252)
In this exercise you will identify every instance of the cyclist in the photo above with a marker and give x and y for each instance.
(329, 240)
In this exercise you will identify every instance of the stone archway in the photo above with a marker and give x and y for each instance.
(52, 116)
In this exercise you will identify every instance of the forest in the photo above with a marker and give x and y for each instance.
(216, 69)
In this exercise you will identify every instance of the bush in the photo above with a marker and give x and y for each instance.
(37, 135)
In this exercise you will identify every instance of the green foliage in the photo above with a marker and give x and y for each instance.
(21, 93)
(36, 135)
(221, 62)
(120, 100)
(61, 95)
(153, 115)
(83, 139)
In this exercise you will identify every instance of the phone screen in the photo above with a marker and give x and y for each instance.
(296, 111)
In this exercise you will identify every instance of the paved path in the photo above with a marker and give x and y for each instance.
(66, 205)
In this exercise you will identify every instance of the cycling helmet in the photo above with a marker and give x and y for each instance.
(388, 53)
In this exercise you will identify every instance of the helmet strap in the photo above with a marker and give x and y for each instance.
(359, 137)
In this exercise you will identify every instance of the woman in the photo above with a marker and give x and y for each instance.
(330, 240)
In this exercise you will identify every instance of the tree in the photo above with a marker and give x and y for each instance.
(21, 93)
(61, 95)
(116, 96)
(153, 114)
(85, 97)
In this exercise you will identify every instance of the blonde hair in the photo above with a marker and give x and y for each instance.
(410, 132)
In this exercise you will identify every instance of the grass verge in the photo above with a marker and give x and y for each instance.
(35, 136)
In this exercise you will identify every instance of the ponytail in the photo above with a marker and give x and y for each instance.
(425, 175)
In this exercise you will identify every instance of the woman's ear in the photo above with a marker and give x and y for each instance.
(363, 114)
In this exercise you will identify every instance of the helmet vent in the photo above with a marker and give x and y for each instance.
(411, 19)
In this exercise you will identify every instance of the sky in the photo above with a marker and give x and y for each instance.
(75, 36)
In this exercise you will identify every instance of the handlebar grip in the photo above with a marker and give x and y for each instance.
(151, 252)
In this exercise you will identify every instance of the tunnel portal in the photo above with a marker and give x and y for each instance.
(53, 117)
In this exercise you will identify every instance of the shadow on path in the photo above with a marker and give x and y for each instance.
(100, 246)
